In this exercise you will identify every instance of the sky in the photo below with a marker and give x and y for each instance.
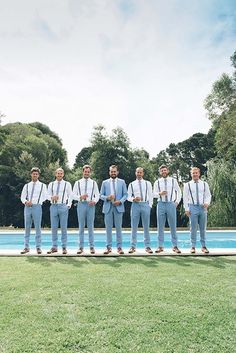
(143, 65)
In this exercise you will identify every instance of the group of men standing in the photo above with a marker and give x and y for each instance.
(114, 193)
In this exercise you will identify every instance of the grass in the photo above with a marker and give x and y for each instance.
(111, 305)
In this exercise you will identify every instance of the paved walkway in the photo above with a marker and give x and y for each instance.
(139, 252)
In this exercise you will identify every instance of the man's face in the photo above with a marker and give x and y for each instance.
(164, 172)
(195, 173)
(86, 173)
(113, 172)
(34, 176)
(139, 173)
(59, 175)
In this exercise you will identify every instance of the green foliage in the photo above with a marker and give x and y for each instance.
(22, 147)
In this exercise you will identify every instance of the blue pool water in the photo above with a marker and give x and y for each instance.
(215, 239)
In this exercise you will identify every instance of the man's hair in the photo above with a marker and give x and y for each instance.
(163, 166)
(35, 169)
(113, 166)
(139, 168)
(196, 169)
(87, 166)
(60, 170)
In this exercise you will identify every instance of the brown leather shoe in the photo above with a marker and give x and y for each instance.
(132, 250)
(52, 251)
(158, 250)
(80, 251)
(39, 251)
(25, 250)
(108, 250)
(205, 250)
(176, 249)
(120, 251)
(92, 250)
(193, 250)
(148, 250)
(64, 251)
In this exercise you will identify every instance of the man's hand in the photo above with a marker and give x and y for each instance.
(205, 205)
(92, 203)
(111, 197)
(163, 193)
(137, 199)
(187, 213)
(55, 198)
(28, 203)
(117, 203)
(83, 197)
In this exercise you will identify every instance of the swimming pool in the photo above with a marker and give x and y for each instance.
(214, 240)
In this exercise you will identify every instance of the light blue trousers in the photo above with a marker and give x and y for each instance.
(140, 210)
(166, 211)
(59, 213)
(113, 215)
(86, 214)
(33, 214)
(198, 217)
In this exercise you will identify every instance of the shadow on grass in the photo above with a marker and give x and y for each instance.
(116, 262)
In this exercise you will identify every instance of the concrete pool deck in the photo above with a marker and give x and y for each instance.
(138, 253)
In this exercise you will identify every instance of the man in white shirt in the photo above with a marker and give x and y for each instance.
(140, 194)
(86, 192)
(59, 193)
(168, 194)
(32, 196)
(197, 198)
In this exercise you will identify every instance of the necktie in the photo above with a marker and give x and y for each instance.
(166, 196)
(86, 186)
(32, 192)
(197, 192)
(114, 187)
(58, 187)
(140, 188)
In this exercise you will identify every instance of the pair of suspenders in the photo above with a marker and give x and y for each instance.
(91, 198)
(27, 192)
(145, 192)
(172, 189)
(63, 191)
(190, 191)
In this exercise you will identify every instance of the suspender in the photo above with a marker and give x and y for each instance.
(27, 192)
(79, 188)
(204, 191)
(91, 198)
(190, 192)
(172, 189)
(145, 191)
(40, 192)
(92, 191)
(63, 193)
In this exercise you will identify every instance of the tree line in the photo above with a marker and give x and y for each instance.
(25, 145)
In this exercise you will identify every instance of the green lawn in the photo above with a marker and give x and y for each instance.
(138, 305)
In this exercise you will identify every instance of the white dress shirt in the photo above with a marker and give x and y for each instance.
(39, 193)
(92, 190)
(173, 190)
(134, 191)
(64, 193)
(190, 194)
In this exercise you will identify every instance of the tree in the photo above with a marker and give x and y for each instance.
(22, 147)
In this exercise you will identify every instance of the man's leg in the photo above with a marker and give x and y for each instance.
(171, 216)
(63, 216)
(202, 225)
(193, 224)
(37, 218)
(90, 224)
(135, 217)
(81, 213)
(118, 216)
(108, 218)
(54, 224)
(161, 220)
(145, 215)
(28, 224)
